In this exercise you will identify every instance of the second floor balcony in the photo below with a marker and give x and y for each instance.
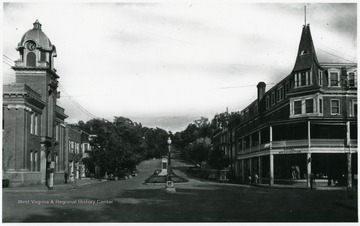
(303, 143)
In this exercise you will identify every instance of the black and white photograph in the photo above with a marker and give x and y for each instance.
(179, 112)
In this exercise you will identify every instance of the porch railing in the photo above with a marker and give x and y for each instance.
(328, 142)
(299, 143)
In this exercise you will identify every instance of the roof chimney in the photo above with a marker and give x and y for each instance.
(261, 89)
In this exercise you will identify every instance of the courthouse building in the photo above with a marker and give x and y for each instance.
(305, 125)
(32, 122)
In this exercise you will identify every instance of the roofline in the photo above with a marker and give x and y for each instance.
(329, 64)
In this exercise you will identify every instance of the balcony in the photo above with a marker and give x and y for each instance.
(324, 143)
(353, 143)
(328, 143)
(289, 144)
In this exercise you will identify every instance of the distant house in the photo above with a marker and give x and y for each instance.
(86, 151)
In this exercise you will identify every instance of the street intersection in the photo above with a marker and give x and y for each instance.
(195, 201)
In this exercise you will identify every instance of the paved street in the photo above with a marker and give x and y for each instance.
(195, 201)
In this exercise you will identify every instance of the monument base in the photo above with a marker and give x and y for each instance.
(169, 187)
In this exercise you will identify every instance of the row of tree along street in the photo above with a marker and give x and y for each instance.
(119, 146)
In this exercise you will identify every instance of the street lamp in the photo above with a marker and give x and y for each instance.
(169, 185)
(169, 161)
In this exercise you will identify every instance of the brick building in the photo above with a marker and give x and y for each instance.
(77, 148)
(305, 125)
(33, 130)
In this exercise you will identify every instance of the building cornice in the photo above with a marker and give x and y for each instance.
(46, 69)
(17, 93)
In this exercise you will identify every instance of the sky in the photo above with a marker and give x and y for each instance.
(167, 64)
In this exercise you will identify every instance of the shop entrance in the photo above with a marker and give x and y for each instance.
(290, 166)
(332, 167)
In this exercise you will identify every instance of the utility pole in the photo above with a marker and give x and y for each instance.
(53, 91)
(305, 13)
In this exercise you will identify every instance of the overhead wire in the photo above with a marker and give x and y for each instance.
(7, 60)
(7, 63)
(339, 52)
(81, 108)
(4, 55)
(336, 55)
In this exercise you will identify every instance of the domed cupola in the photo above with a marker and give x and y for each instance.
(36, 49)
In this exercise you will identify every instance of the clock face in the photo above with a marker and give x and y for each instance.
(30, 46)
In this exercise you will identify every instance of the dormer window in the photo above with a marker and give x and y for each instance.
(352, 78)
(304, 106)
(280, 94)
(334, 77)
(320, 78)
(303, 78)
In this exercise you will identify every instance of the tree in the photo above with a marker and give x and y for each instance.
(218, 160)
(117, 145)
(198, 151)
(156, 140)
(222, 119)
(203, 127)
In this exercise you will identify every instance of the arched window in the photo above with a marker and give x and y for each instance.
(31, 59)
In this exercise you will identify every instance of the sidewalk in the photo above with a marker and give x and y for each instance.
(303, 186)
(285, 186)
(57, 187)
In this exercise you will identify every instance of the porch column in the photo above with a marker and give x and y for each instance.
(250, 142)
(259, 140)
(271, 138)
(271, 176)
(308, 168)
(43, 150)
(308, 161)
(309, 139)
(242, 171)
(349, 176)
(260, 170)
(242, 145)
(348, 134)
(250, 168)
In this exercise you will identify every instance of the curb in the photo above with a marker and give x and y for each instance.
(44, 188)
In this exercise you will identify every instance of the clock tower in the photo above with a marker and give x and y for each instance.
(35, 68)
(34, 142)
